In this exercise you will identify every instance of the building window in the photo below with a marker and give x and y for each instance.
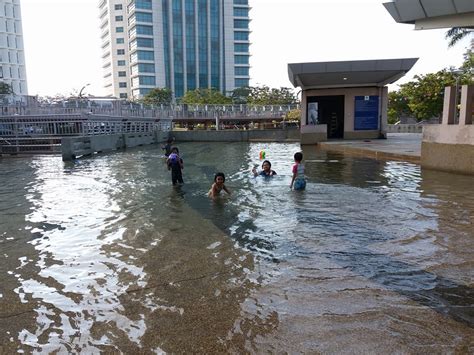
(144, 91)
(243, 71)
(145, 42)
(122, 73)
(241, 12)
(241, 2)
(122, 84)
(120, 51)
(119, 18)
(241, 59)
(118, 7)
(143, 17)
(121, 63)
(120, 41)
(241, 47)
(241, 23)
(123, 95)
(145, 55)
(119, 29)
(241, 36)
(143, 4)
(241, 83)
(144, 30)
(147, 80)
(146, 68)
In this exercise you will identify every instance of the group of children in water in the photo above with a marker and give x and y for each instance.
(175, 164)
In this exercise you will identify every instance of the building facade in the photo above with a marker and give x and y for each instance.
(12, 54)
(178, 44)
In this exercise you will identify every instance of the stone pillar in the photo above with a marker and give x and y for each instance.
(467, 105)
(448, 106)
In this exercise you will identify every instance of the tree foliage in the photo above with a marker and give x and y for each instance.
(423, 97)
(158, 96)
(397, 106)
(264, 95)
(205, 97)
(5, 89)
(456, 34)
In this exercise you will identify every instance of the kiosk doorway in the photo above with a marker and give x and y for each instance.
(329, 111)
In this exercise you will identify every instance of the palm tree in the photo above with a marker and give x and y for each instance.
(455, 34)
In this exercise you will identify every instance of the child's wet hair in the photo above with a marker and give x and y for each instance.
(175, 149)
(298, 156)
(219, 174)
(267, 161)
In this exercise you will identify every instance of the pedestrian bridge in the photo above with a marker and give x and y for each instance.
(40, 129)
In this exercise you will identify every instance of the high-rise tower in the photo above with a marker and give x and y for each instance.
(178, 44)
(12, 54)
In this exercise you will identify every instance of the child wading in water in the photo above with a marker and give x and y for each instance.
(298, 181)
(218, 186)
(175, 164)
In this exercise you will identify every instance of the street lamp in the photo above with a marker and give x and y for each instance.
(82, 89)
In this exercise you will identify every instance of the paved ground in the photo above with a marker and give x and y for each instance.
(397, 146)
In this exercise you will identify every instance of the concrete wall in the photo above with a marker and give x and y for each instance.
(73, 147)
(309, 136)
(291, 134)
(450, 146)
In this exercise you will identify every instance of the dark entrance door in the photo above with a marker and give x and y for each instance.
(331, 112)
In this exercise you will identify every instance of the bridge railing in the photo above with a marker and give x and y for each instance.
(43, 134)
(122, 109)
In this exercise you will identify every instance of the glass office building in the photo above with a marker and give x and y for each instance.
(178, 44)
(12, 54)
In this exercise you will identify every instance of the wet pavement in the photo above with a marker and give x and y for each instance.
(397, 146)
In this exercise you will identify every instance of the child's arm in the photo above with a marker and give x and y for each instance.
(212, 191)
(226, 189)
(181, 164)
(254, 171)
(295, 169)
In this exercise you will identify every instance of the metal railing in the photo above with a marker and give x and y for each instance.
(43, 134)
(118, 108)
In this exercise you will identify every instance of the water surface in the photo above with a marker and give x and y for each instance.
(103, 254)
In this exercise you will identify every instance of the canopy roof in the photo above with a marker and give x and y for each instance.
(355, 73)
(426, 14)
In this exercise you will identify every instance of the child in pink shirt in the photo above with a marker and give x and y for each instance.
(298, 182)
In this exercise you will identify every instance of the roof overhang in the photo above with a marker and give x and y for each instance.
(358, 73)
(431, 14)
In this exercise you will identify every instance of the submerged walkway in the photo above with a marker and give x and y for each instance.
(397, 146)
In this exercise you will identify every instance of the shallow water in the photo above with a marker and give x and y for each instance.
(103, 254)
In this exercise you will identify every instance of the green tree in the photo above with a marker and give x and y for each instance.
(205, 97)
(158, 96)
(264, 95)
(241, 95)
(5, 88)
(397, 106)
(426, 93)
(456, 34)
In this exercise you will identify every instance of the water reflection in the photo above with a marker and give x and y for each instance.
(105, 255)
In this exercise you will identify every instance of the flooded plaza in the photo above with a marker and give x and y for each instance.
(104, 255)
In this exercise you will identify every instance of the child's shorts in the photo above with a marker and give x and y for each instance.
(299, 184)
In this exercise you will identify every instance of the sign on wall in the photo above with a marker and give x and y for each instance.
(366, 113)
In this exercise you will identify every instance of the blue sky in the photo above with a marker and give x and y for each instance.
(62, 41)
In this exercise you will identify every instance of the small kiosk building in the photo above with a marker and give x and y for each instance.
(345, 100)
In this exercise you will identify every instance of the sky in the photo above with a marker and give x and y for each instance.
(63, 47)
